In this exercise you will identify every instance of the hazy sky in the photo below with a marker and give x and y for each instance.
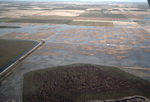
(83, 0)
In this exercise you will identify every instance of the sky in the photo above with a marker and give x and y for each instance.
(84, 0)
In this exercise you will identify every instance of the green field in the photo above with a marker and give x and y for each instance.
(1, 27)
(49, 17)
(80, 83)
(44, 19)
(115, 10)
(140, 10)
(11, 49)
(71, 8)
(94, 11)
(5, 19)
(85, 23)
(4, 10)
(41, 21)
(102, 15)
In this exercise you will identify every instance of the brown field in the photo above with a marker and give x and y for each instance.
(80, 83)
(12, 49)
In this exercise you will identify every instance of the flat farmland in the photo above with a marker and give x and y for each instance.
(44, 19)
(102, 15)
(71, 8)
(99, 34)
(86, 23)
(11, 50)
(5, 19)
(80, 83)
(1, 27)
(101, 19)
(53, 21)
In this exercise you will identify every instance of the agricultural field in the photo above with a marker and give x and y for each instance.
(5, 20)
(81, 83)
(102, 15)
(12, 50)
(2, 27)
(86, 23)
(98, 34)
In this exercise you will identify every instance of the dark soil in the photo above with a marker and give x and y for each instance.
(80, 83)
(9, 27)
(11, 50)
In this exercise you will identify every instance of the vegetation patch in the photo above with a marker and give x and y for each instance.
(51, 21)
(85, 23)
(102, 11)
(5, 19)
(44, 19)
(102, 15)
(139, 10)
(71, 8)
(50, 17)
(80, 83)
(11, 50)
(1, 27)
(115, 10)
(94, 11)
(4, 9)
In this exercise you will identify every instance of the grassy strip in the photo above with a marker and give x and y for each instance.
(54, 21)
(44, 19)
(49, 17)
(115, 10)
(140, 10)
(84, 23)
(1, 27)
(94, 11)
(102, 15)
(81, 82)
(5, 19)
(70, 8)
(4, 9)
